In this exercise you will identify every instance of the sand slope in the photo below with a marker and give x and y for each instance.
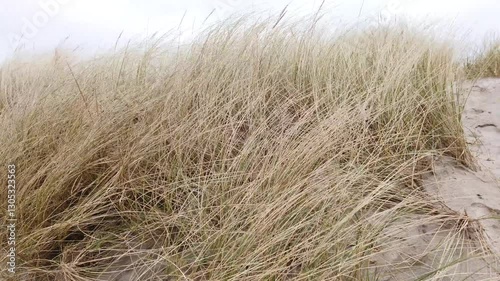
(424, 251)
(476, 194)
(418, 252)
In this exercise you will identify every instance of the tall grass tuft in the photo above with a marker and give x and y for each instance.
(260, 151)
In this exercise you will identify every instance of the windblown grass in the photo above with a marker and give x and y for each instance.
(487, 62)
(258, 152)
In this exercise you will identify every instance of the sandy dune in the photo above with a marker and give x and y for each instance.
(476, 194)
(473, 194)
(473, 197)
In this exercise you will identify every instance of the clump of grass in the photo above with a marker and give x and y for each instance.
(257, 152)
(487, 62)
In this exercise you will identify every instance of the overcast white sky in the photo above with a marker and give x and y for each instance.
(42, 25)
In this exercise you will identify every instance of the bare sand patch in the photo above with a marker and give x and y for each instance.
(476, 194)
(465, 245)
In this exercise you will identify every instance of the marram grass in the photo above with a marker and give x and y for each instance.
(256, 152)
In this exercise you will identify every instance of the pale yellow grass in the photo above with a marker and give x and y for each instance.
(258, 152)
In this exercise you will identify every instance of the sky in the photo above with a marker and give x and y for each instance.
(94, 25)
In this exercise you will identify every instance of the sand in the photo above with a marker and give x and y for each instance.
(476, 193)
(419, 251)
(472, 196)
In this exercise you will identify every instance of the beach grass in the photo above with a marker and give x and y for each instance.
(264, 150)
